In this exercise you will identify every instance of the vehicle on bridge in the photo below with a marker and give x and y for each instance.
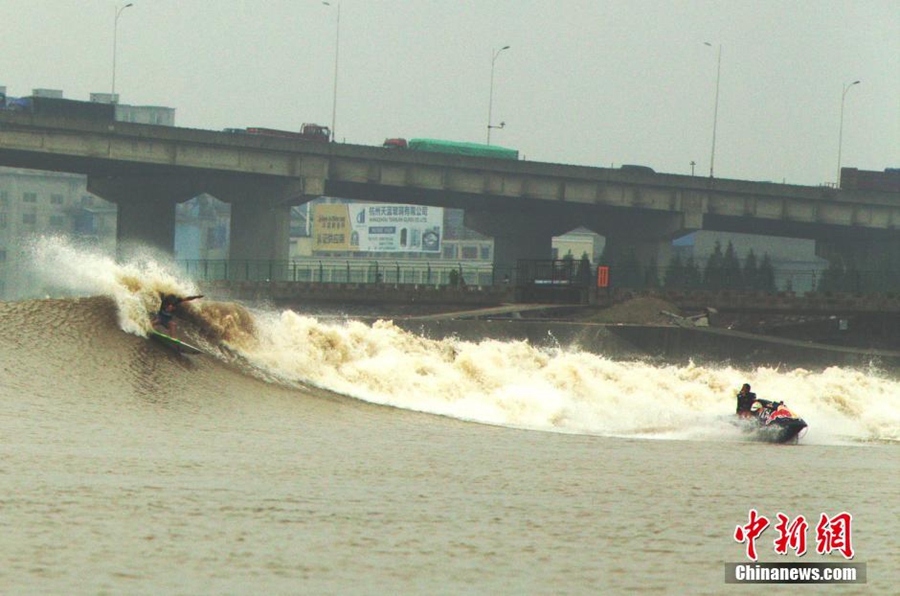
(637, 169)
(309, 132)
(453, 147)
(64, 108)
(856, 179)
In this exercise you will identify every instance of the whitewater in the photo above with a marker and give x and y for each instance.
(326, 455)
(506, 383)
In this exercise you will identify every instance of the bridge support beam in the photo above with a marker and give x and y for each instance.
(519, 236)
(146, 209)
(645, 251)
(260, 216)
(640, 245)
(260, 230)
(860, 264)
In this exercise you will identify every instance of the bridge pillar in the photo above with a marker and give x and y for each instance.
(260, 230)
(643, 242)
(519, 236)
(146, 209)
(260, 217)
(861, 264)
(625, 251)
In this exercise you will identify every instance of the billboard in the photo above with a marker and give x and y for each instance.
(331, 227)
(378, 227)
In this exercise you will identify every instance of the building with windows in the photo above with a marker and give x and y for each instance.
(202, 227)
(34, 203)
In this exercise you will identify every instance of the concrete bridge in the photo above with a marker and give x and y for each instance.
(147, 169)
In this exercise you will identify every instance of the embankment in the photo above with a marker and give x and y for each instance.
(668, 343)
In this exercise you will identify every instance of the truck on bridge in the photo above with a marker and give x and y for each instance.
(64, 108)
(856, 179)
(309, 132)
(454, 147)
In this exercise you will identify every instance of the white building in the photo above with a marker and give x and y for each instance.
(578, 242)
(35, 203)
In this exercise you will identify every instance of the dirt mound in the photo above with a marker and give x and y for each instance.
(644, 310)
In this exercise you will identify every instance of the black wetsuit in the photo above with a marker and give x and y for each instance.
(164, 318)
(745, 401)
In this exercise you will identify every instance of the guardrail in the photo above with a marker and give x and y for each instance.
(349, 271)
(538, 273)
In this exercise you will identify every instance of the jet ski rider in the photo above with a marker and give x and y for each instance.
(164, 318)
(745, 399)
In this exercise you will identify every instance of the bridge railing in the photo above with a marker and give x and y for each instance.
(348, 271)
(800, 281)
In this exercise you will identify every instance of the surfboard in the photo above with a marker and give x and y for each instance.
(177, 344)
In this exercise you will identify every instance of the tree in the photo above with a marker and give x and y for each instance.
(584, 269)
(692, 278)
(832, 279)
(731, 269)
(712, 275)
(751, 271)
(766, 278)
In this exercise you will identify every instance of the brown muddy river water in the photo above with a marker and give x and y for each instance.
(299, 456)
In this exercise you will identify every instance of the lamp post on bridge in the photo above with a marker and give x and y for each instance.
(712, 157)
(491, 96)
(115, 44)
(337, 43)
(841, 131)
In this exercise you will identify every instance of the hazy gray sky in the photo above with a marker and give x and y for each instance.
(585, 82)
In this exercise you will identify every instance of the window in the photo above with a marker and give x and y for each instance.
(57, 221)
(486, 253)
(56, 199)
(29, 197)
(29, 218)
(449, 251)
(87, 200)
(469, 252)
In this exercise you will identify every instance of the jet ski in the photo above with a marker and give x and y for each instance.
(772, 422)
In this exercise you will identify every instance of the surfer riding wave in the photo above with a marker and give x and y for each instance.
(164, 319)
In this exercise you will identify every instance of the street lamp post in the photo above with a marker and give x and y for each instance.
(337, 43)
(841, 132)
(491, 96)
(115, 44)
(712, 157)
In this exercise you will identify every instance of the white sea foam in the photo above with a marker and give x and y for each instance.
(516, 384)
(135, 285)
(504, 383)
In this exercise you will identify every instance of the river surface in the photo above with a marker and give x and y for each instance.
(305, 456)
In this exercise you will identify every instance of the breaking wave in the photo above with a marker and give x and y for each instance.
(507, 383)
